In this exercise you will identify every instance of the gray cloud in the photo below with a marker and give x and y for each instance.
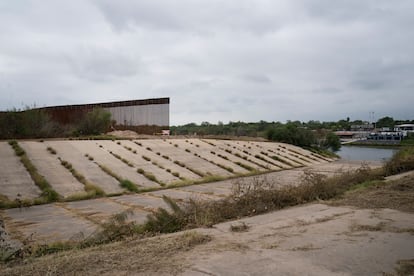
(217, 60)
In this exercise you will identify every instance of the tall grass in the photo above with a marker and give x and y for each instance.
(250, 197)
(402, 161)
(127, 184)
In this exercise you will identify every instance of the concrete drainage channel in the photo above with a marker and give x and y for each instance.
(78, 170)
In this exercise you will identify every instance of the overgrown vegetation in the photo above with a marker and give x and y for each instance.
(402, 161)
(37, 123)
(30, 123)
(256, 197)
(127, 184)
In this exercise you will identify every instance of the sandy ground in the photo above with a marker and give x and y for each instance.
(340, 237)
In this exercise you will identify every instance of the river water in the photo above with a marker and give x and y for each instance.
(366, 153)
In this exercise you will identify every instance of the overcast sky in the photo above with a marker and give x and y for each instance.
(226, 60)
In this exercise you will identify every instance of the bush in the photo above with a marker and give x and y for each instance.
(30, 123)
(94, 122)
(128, 185)
(402, 161)
(251, 197)
(292, 134)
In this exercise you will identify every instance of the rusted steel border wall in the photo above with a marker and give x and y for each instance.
(144, 116)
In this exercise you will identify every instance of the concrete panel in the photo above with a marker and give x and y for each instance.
(280, 150)
(166, 164)
(69, 151)
(175, 153)
(97, 210)
(138, 161)
(206, 152)
(181, 195)
(156, 147)
(103, 157)
(143, 201)
(47, 223)
(14, 178)
(47, 164)
(242, 147)
(255, 149)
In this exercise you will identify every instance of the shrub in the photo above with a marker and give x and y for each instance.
(402, 161)
(256, 196)
(163, 221)
(125, 183)
(94, 122)
(51, 150)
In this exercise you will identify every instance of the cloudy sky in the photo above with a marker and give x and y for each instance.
(226, 60)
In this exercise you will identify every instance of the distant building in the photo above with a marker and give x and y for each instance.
(345, 134)
(147, 116)
(405, 128)
(385, 136)
(364, 127)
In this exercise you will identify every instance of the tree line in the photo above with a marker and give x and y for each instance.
(305, 134)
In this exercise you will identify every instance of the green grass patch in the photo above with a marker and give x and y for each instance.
(127, 184)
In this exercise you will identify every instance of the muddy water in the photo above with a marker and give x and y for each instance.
(366, 153)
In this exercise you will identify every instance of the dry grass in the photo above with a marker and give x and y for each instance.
(256, 196)
(405, 267)
(402, 161)
(157, 255)
(397, 194)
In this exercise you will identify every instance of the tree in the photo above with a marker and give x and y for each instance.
(332, 141)
(95, 122)
(386, 122)
(292, 134)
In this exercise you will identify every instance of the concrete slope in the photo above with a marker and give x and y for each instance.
(14, 178)
(48, 165)
(148, 163)
(102, 157)
(68, 151)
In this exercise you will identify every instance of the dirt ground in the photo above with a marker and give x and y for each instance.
(369, 231)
